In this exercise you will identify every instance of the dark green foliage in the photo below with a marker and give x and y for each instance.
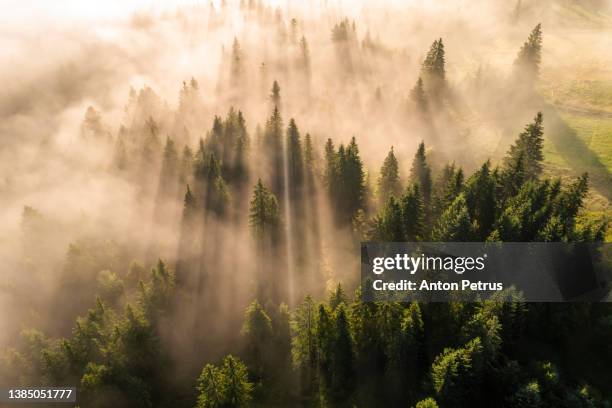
(264, 217)
(387, 226)
(389, 181)
(295, 163)
(420, 173)
(524, 159)
(257, 332)
(413, 214)
(273, 151)
(479, 191)
(345, 179)
(337, 297)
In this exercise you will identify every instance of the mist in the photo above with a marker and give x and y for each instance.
(86, 86)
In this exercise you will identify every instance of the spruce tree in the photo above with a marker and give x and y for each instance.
(337, 297)
(413, 214)
(418, 97)
(389, 181)
(295, 163)
(257, 332)
(479, 194)
(527, 62)
(421, 174)
(275, 96)
(434, 70)
(264, 216)
(454, 225)
(527, 149)
(342, 369)
(273, 151)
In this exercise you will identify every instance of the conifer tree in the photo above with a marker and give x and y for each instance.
(342, 370)
(273, 151)
(237, 64)
(418, 97)
(434, 70)
(216, 196)
(527, 149)
(325, 336)
(257, 332)
(225, 386)
(295, 163)
(479, 194)
(446, 188)
(337, 297)
(304, 342)
(527, 62)
(456, 374)
(454, 224)
(421, 174)
(413, 214)
(353, 181)
(389, 181)
(275, 96)
(388, 225)
(264, 217)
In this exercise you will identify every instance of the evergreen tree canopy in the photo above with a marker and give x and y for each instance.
(527, 63)
(389, 181)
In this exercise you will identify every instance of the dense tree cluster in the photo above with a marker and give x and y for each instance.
(231, 193)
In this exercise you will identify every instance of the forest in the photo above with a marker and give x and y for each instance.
(203, 251)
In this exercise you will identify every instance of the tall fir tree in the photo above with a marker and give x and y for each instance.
(529, 58)
(433, 70)
(527, 150)
(420, 173)
(389, 181)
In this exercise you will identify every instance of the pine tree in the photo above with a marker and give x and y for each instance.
(275, 96)
(527, 63)
(305, 57)
(342, 369)
(433, 70)
(479, 194)
(413, 214)
(273, 151)
(389, 181)
(325, 336)
(446, 188)
(454, 224)
(237, 64)
(216, 197)
(264, 217)
(304, 342)
(353, 181)
(418, 97)
(257, 332)
(337, 297)
(456, 374)
(295, 163)
(387, 225)
(527, 149)
(226, 386)
(421, 174)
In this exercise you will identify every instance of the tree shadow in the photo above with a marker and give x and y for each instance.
(575, 152)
